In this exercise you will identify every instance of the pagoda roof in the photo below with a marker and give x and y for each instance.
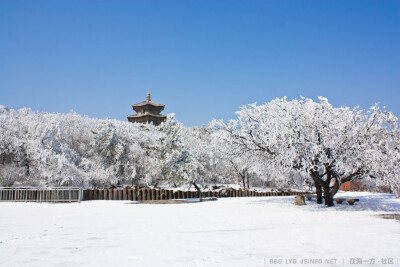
(149, 102)
(147, 115)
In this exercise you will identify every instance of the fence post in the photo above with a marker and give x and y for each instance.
(162, 194)
(134, 194)
(149, 191)
(145, 194)
(129, 194)
(142, 194)
(90, 192)
(165, 192)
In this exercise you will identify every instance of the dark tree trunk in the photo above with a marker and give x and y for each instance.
(324, 186)
(322, 189)
(318, 191)
(318, 186)
(198, 189)
(243, 181)
(327, 196)
(335, 187)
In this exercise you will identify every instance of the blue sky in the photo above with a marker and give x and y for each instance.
(202, 59)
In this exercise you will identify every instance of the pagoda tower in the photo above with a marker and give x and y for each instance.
(148, 111)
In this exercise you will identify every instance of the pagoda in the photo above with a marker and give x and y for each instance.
(148, 111)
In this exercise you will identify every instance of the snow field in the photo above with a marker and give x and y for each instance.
(228, 232)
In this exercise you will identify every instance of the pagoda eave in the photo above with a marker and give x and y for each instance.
(147, 115)
(139, 108)
(148, 103)
(147, 118)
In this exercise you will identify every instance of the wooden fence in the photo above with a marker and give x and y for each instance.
(73, 194)
(138, 194)
(46, 194)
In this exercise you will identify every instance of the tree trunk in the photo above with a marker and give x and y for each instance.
(335, 187)
(318, 187)
(243, 181)
(324, 185)
(198, 189)
(318, 191)
(327, 196)
(321, 187)
(248, 184)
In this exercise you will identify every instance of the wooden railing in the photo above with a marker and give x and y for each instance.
(43, 194)
(140, 194)
(73, 194)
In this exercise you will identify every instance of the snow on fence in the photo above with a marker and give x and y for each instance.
(42, 194)
(162, 194)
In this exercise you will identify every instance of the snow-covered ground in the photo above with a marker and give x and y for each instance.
(258, 231)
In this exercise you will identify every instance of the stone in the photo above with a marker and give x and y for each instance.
(299, 200)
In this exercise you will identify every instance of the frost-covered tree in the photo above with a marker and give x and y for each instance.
(111, 151)
(280, 143)
(205, 148)
(68, 149)
(332, 145)
(178, 165)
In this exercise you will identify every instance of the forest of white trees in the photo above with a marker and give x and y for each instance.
(279, 144)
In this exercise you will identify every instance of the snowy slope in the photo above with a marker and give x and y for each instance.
(227, 232)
